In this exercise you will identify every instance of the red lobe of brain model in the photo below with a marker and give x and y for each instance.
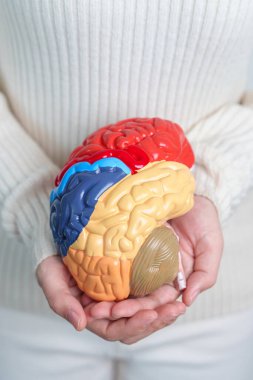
(136, 142)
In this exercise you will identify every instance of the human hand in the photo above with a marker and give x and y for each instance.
(146, 314)
(61, 291)
(133, 319)
(201, 244)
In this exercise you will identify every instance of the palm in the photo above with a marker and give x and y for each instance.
(133, 319)
(201, 247)
(128, 321)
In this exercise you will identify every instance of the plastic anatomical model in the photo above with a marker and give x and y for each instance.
(112, 199)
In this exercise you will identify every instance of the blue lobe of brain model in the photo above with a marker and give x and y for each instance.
(72, 207)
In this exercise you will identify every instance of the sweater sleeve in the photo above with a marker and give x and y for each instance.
(223, 147)
(26, 179)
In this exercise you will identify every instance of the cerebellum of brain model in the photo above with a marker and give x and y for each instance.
(111, 202)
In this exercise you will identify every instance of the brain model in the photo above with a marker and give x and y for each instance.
(110, 204)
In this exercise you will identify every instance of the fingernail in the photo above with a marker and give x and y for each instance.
(74, 319)
(194, 295)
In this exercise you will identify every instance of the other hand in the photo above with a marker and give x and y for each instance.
(201, 244)
(145, 315)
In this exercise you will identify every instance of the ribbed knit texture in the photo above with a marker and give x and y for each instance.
(68, 67)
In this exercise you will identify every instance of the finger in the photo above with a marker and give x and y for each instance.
(102, 310)
(85, 300)
(54, 279)
(122, 328)
(130, 307)
(125, 328)
(75, 292)
(206, 266)
(166, 315)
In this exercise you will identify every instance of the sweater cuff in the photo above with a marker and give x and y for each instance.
(27, 177)
(25, 214)
(218, 176)
(223, 147)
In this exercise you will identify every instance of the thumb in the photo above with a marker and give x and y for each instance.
(53, 277)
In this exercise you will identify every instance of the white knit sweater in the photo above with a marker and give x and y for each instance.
(68, 67)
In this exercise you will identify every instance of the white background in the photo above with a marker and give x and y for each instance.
(250, 83)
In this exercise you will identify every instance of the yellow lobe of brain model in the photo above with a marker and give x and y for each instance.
(102, 259)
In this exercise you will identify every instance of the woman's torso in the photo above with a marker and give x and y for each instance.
(70, 67)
